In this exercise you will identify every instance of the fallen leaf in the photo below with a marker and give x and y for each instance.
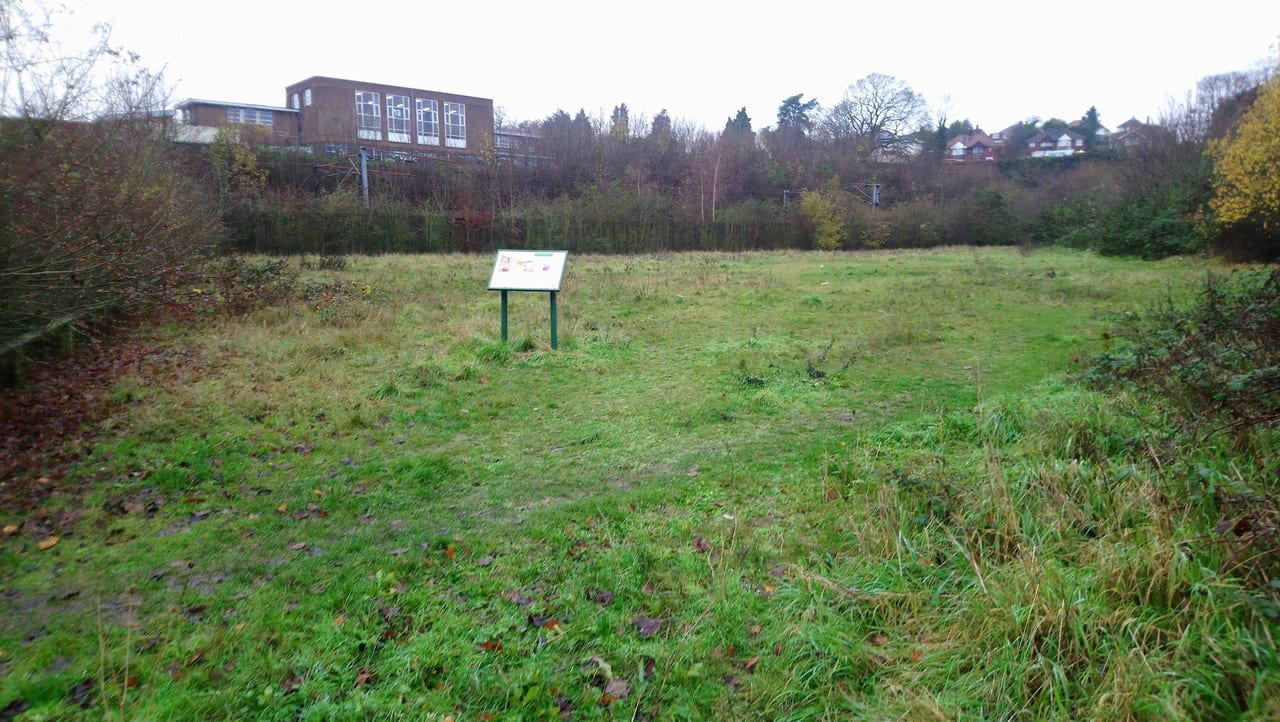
(647, 627)
(615, 690)
(47, 543)
(544, 622)
(398, 551)
(517, 598)
(11, 529)
(298, 546)
(363, 677)
(750, 664)
(282, 508)
(81, 696)
(340, 620)
(492, 645)
(917, 656)
(879, 639)
(650, 667)
(701, 545)
(291, 682)
(14, 708)
(450, 552)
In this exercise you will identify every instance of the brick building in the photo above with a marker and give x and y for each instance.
(338, 117)
(199, 120)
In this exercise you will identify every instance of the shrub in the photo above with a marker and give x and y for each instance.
(1217, 362)
(1152, 225)
(98, 220)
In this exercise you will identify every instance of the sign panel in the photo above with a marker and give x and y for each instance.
(528, 270)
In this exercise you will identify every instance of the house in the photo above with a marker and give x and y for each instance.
(198, 121)
(1002, 137)
(340, 116)
(1055, 143)
(1100, 135)
(972, 147)
(1131, 133)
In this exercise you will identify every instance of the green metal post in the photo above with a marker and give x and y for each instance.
(504, 316)
(553, 320)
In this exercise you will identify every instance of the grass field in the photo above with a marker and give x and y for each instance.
(762, 486)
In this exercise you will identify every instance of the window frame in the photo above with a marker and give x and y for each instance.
(368, 114)
(428, 128)
(455, 125)
(398, 118)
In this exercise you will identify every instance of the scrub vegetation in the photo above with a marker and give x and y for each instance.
(831, 432)
(886, 485)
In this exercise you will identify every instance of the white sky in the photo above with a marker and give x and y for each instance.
(993, 64)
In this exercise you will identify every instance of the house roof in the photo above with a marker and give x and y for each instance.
(1053, 135)
(1001, 134)
(189, 102)
(973, 138)
(323, 80)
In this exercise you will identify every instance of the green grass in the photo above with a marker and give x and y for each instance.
(772, 485)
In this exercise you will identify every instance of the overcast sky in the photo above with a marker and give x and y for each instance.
(993, 64)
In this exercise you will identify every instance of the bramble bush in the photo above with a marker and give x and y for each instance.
(98, 221)
(1214, 368)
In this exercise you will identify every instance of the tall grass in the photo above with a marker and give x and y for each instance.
(778, 485)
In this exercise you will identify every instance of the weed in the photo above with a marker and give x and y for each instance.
(732, 505)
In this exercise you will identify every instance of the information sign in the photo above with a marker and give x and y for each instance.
(528, 270)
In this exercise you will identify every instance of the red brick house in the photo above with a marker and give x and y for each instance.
(1055, 143)
(972, 147)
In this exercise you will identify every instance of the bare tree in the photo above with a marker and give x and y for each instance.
(97, 216)
(875, 108)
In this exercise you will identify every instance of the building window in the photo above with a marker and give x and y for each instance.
(428, 122)
(455, 125)
(398, 118)
(249, 116)
(306, 97)
(293, 101)
(368, 120)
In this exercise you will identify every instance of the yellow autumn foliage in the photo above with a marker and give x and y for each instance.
(1247, 164)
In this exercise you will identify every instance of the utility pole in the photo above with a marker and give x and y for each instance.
(364, 174)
